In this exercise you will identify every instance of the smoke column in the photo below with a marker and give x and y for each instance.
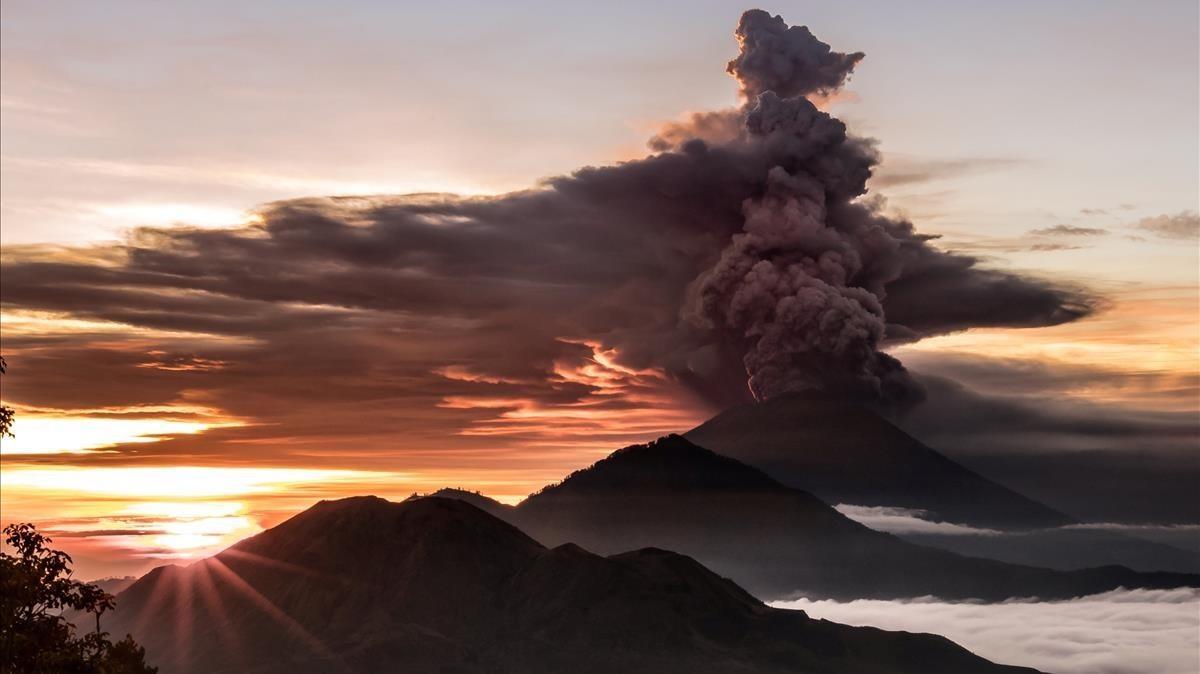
(794, 287)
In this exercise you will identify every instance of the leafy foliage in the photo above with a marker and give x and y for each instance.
(37, 594)
(6, 413)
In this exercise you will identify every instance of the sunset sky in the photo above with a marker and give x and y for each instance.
(176, 391)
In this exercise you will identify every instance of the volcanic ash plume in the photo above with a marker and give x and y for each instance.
(792, 286)
(738, 249)
(786, 60)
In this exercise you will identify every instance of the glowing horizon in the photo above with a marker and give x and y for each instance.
(172, 397)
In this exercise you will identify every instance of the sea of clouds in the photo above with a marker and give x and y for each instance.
(1119, 632)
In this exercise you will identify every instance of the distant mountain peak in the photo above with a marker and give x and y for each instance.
(670, 462)
(375, 534)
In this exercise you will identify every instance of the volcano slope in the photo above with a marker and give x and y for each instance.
(847, 453)
(775, 541)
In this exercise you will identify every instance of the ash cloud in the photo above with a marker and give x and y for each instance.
(787, 60)
(740, 251)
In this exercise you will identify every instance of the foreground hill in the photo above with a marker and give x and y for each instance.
(437, 585)
(775, 541)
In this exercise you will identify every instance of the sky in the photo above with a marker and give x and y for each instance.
(162, 419)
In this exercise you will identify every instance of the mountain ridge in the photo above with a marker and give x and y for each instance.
(437, 585)
(776, 541)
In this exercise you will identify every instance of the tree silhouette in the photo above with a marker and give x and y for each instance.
(6, 413)
(36, 594)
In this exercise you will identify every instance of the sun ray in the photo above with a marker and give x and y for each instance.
(253, 558)
(280, 617)
(181, 619)
(210, 594)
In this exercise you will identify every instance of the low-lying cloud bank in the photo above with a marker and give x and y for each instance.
(895, 520)
(907, 521)
(1119, 632)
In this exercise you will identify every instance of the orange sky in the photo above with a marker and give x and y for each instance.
(78, 471)
(167, 435)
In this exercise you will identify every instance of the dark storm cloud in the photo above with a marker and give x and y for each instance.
(739, 251)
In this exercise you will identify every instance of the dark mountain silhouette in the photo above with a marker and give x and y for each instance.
(771, 539)
(438, 585)
(113, 584)
(846, 453)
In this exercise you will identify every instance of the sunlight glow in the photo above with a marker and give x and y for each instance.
(202, 533)
(622, 404)
(1146, 342)
(177, 482)
(74, 435)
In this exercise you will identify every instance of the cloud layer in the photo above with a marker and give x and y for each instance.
(1120, 632)
(907, 521)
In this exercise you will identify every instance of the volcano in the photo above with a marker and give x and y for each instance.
(845, 453)
(438, 585)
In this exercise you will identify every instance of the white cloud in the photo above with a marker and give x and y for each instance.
(896, 520)
(1119, 632)
(907, 521)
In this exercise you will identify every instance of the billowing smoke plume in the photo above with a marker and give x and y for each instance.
(786, 60)
(738, 250)
(801, 291)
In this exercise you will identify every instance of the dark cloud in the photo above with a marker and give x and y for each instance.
(1068, 230)
(1019, 423)
(789, 61)
(740, 250)
(968, 295)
